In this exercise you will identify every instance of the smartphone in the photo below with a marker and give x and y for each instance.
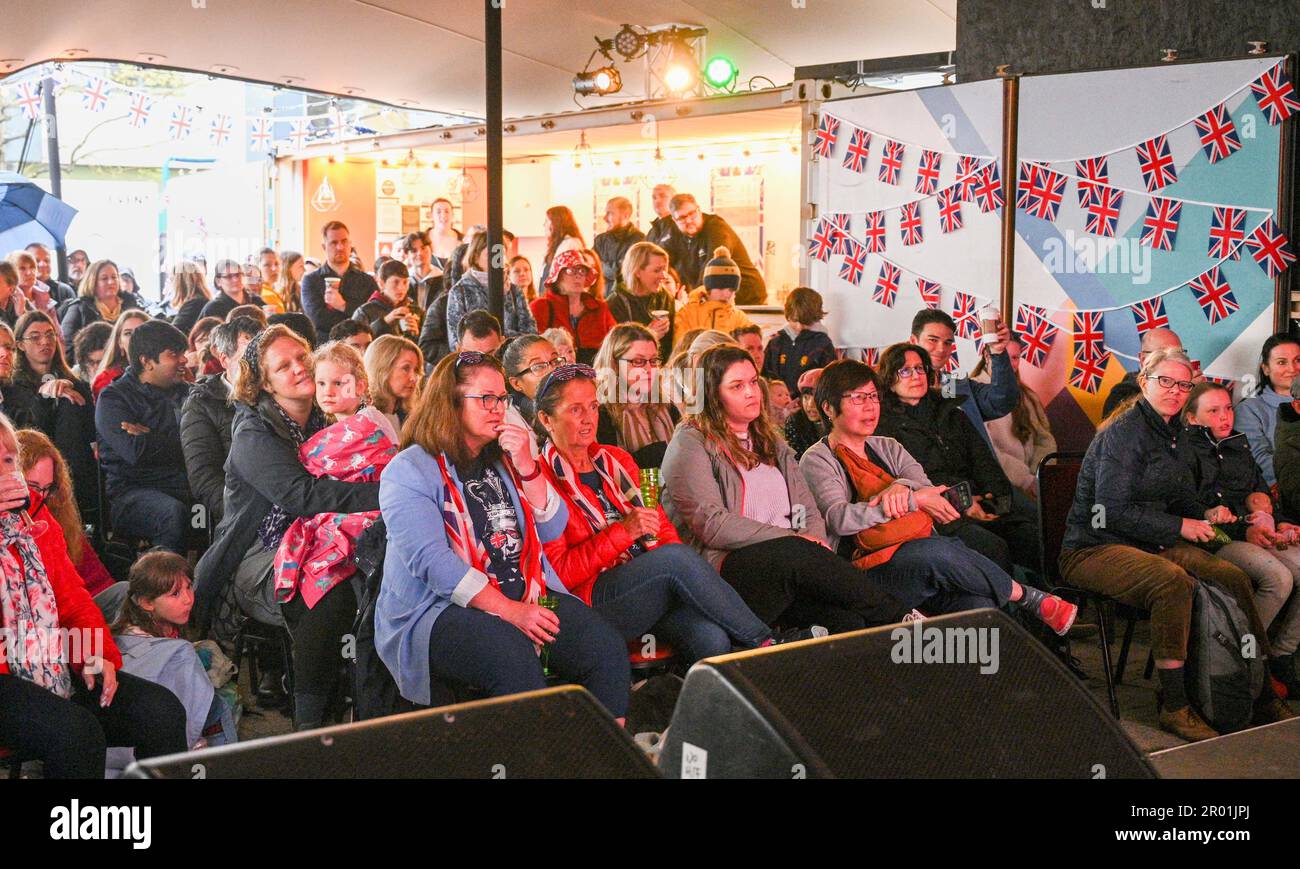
(959, 496)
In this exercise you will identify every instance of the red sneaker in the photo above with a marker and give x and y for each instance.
(1058, 614)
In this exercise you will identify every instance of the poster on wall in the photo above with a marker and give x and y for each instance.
(736, 194)
(404, 200)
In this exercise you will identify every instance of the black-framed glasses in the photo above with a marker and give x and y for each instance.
(564, 374)
(580, 271)
(230, 276)
(43, 491)
(490, 400)
(682, 218)
(1170, 383)
(649, 362)
(857, 399)
(537, 369)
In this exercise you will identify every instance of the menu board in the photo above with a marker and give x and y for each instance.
(736, 194)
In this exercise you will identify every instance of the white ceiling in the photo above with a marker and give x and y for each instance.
(431, 53)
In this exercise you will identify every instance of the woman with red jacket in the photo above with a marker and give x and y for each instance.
(62, 699)
(624, 559)
(569, 304)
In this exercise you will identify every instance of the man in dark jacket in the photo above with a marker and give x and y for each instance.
(390, 310)
(663, 231)
(703, 235)
(434, 342)
(138, 420)
(326, 307)
(207, 416)
(1156, 339)
(611, 246)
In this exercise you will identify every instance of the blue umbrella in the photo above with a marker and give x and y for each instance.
(28, 214)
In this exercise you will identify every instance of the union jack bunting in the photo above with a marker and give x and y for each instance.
(887, 284)
(29, 98)
(874, 231)
(871, 356)
(1040, 191)
(1156, 163)
(840, 236)
(221, 129)
(855, 263)
(95, 94)
(820, 244)
(909, 223)
(988, 188)
(1036, 342)
(1028, 315)
(855, 154)
(1103, 210)
(949, 209)
(1275, 95)
(1092, 171)
(891, 162)
(927, 172)
(1227, 233)
(1160, 226)
(827, 132)
(964, 306)
(299, 130)
(1218, 135)
(1089, 371)
(1088, 335)
(1213, 295)
(181, 123)
(952, 366)
(1225, 382)
(930, 292)
(259, 134)
(1270, 248)
(967, 167)
(1149, 314)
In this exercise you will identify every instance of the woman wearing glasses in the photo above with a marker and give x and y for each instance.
(569, 304)
(468, 509)
(1144, 553)
(621, 557)
(527, 360)
(734, 491)
(234, 290)
(634, 415)
(100, 297)
(880, 511)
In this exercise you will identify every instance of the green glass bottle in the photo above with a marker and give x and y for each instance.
(548, 601)
(650, 495)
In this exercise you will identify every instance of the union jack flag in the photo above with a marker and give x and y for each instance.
(1041, 191)
(952, 366)
(840, 236)
(930, 292)
(855, 263)
(1227, 232)
(138, 112)
(181, 123)
(1089, 371)
(820, 245)
(963, 313)
(299, 130)
(949, 210)
(988, 188)
(1092, 171)
(1156, 163)
(1213, 295)
(1036, 341)
(29, 97)
(1218, 136)
(891, 162)
(222, 128)
(1088, 335)
(95, 94)
(1276, 95)
(827, 132)
(1028, 315)
(927, 172)
(967, 167)
(1149, 314)
(1160, 225)
(855, 155)
(1270, 248)
(909, 222)
(887, 284)
(1103, 210)
(259, 134)
(871, 356)
(874, 231)
(1225, 382)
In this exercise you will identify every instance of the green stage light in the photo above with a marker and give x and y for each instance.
(720, 72)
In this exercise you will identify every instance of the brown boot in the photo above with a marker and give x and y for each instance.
(1268, 709)
(1186, 724)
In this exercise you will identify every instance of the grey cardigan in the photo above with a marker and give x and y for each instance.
(703, 495)
(830, 486)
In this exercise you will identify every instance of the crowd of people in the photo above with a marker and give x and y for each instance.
(251, 442)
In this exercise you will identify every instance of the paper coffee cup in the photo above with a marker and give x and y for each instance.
(333, 283)
(989, 319)
(659, 315)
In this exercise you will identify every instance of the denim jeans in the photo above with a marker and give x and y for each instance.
(1274, 574)
(942, 575)
(675, 588)
(153, 515)
(487, 652)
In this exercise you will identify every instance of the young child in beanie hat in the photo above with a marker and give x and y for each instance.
(711, 306)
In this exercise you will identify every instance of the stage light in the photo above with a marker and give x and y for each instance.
(720, 72)
(605, 80)
(679, 77)
(629, 43)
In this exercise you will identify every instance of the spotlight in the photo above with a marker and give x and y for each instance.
(679, 77)
(629, 43)
(605, 80)
(720, 72)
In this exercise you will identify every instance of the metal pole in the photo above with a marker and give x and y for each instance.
(51, 121)
(1010, 171)
(497, 258)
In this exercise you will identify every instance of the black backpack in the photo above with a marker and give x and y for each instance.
(1222, 683)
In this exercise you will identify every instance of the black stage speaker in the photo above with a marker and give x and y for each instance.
(1271, 751)
(891, 703)
(555, 733)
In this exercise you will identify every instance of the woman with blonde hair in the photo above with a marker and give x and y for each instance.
(189, 294)
(394, 367)
(640, 295)
(634, 415)
(100, 297)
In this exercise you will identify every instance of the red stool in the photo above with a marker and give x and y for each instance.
(645, 665)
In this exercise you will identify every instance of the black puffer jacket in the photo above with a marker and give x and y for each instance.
(1223, 471)
(206, 420)
(1133, 488)
(939, 435)
(376, 308)
(612, 246)
(82, 312)
(433, 337)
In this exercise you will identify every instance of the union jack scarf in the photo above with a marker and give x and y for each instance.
(466, 543)
(623, 492)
